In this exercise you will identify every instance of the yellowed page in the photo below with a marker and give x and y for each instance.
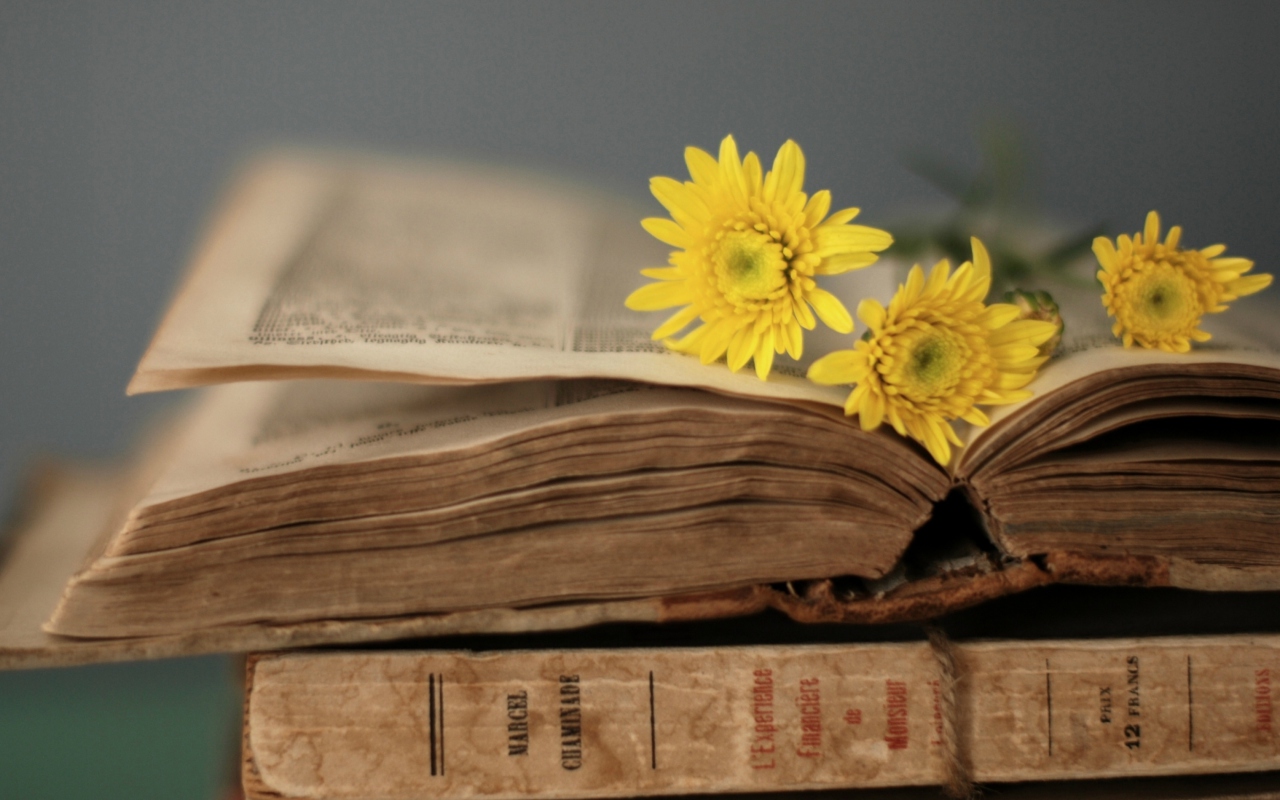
(70, 511)
(1241, 336)
(331, 266)
(328, 479)
(74, 507)
(258, 429)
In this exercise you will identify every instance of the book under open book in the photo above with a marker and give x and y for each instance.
(508, 449)
(567, 723)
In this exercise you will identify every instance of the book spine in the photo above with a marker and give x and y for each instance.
(613, 723)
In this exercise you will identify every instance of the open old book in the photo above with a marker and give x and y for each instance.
(506, 437)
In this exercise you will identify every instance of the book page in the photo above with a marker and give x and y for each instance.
(262, 429)
(1242, 336)
(74, 504)
(68, 510)
(323, 266)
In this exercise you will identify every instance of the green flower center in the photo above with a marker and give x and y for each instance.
(927, 362)
(749, 265)
(1163, 299)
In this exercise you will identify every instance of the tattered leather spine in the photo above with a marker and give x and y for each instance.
(928, 597)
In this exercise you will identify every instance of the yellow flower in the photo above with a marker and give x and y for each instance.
(750, 246)
(935, 353)
(1158, 292)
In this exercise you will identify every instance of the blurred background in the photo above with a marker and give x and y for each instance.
(119, 123)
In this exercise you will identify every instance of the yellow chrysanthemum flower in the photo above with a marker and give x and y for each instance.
(1158, 292)
(750, 246)
(935, 353)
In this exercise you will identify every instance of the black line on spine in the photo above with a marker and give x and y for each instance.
(1191, 719)
(653, 727)
(431, 708)
(442, 723)
(1048, 701)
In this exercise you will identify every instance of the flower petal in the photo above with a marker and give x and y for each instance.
(667, 232)
(1012, 380)
(685, 206)
(795, 339)
(1014, 352)
(1025, 331)
(937, 279)
(871, 411)
(1151, 232)
(843, 262)
(716, 341)
(840, 367)
(676, 322)
(910, 292)
(997, 315)
(663, 273)
(787, 176)
(804, 316)
(704, 169)
(731, 172)
(1249, 284)
(830, 310)
(657, 296)
(841, 217)
(1106, 253)
(690, 343)
(830, 241)
(764, 355)
(817, 208)
(964, 286)
(854, 400)
(1234, 264)
(934, 440)
(740, 348)
(872, 314)
(751, 172)
(981, 258)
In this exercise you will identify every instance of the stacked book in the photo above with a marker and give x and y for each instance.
(429, 414)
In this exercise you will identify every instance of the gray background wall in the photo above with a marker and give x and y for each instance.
(119, 121)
